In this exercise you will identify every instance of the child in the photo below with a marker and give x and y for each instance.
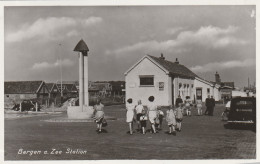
(143, 119)
(199, 107)
(139, 108)
(161, 115)
(159, 119)
(178, 114)
(170, 118)
(188, 106)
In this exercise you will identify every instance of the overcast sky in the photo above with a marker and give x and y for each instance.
(205, 39)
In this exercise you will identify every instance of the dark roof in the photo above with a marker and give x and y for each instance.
(99, 86)
(229, 84)
(81, 46)
(49, 86)
(18, 87)
(66, 82)
(70, 87)
(174, 68)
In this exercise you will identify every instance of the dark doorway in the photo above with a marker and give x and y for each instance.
(199, 93)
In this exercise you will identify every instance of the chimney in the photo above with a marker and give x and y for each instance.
(217, 78)
(162, 57)
(176, 61)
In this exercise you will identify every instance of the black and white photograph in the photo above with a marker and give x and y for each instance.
(129, 82)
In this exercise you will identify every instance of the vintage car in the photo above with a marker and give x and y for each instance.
(242, 111)
(27, 105)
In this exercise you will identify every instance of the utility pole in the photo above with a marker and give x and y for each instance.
(248, 82)
(61, 90)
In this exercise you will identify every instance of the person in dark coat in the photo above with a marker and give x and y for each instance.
(212, 103)
(208, 106)
(178, 101)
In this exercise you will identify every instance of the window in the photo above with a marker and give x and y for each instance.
(146, 81)
(7, 95)
(208, 91)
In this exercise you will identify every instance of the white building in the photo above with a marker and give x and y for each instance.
(165, 80)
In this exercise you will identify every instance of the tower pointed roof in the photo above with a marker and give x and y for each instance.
(81, 46)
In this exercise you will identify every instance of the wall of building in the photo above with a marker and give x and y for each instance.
(217, 94)
(137, 92)
(205, 86)
(183, 87)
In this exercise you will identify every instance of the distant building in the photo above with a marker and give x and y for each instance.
(16, 91)
(165, 80)
(54, 93)
(250, 90)
(104, 88)
(118, 88)
(225, 89)
(69, 88)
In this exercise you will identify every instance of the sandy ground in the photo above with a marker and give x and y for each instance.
(202, 137)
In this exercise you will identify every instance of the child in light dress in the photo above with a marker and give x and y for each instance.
(138, 109)
(161, 115)
(143, 119)
(179, 116)
(188, 106)
(199, 107)
(170, 118)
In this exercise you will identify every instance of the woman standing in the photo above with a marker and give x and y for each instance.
(130, 114)
(99, 115)
(152, 113)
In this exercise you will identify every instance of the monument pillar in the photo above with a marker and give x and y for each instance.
(86, 101)
(81, 80)
(83, 111)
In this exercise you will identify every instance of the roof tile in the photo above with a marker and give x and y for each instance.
(16, 87)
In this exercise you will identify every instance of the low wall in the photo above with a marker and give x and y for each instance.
(78, 112)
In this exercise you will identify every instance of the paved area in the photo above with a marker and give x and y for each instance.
(202, 137)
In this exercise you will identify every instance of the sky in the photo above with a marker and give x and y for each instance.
(39, 41)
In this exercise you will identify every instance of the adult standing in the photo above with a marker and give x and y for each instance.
(99, 115)
(139, 109)
(152, 113)
(130, 114)
(178, 101)
(208, 105)
(212, 102)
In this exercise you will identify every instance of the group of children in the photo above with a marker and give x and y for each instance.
(188, 106)
(173, 117)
